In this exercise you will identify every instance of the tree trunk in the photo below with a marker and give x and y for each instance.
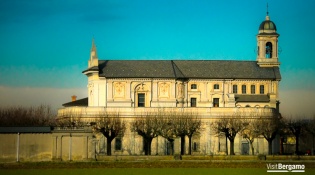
(147, 145)
(172, 148)
(269, 147)
(232, 147)
(226, 145)
(189, 147)
(171, 151)
(297, 137)
(281, 145)
(313, 146)
(252, 147)
(182, 145)
(109, 146)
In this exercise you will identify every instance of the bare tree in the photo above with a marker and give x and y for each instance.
(70, 120)
(185, 124)
(167, 131)
(230, 126)
(251, 132)
(148, 126)
(310, 127)
(269, 127)
(111, 126)
(179, 126)
(193, 126)
(27, 116)
(297, 127)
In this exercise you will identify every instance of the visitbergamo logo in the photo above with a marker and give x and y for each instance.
(280, 168)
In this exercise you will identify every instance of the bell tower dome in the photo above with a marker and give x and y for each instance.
(267, 44)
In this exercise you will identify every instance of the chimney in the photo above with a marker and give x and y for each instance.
(74, 98)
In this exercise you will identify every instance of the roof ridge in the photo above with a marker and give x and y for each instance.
(177, 68)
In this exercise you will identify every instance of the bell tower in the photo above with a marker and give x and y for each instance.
(92, 74)
(267, 44)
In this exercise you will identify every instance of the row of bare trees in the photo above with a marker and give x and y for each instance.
(150, 125)
(169, 125)
(268, 127)
(172, 125)
(41, 115)
(249, 128)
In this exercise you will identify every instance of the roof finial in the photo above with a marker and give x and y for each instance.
(93, 49)
(93, 45)
(267, 9)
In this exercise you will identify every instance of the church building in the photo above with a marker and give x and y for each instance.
(211, 88)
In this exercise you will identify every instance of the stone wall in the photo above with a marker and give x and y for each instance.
(26, 147)
(60, 144)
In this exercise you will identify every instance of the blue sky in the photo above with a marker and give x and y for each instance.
(45, 44)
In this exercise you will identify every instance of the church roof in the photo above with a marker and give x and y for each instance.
(80, 102)
(203, 69)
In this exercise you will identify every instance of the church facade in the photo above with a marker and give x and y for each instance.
(211, 88)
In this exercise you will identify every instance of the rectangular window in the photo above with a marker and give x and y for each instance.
(118, 144)
(193, 102)
(195, 146)
(252, 89)
(243, 89)
(262, 89)
(141, 100)
(215, 102)
(235, 89)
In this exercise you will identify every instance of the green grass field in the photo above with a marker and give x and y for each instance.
(143, 171)
(140, 168)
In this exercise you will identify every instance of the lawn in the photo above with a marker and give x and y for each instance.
(140, 168)
(142, 171)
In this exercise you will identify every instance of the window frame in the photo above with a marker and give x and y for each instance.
(262, 89)
(216, 101)
(234, 89)
(193, 102)
(244, 89)
(141, 103)
(252, 89)
(193, 86)
(118, 147)
(216, 87)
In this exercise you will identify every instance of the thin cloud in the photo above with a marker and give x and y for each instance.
(32, 76)
(297, 103)
(34, 96)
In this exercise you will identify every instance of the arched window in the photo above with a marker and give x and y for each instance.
(193, 86)
(268, 50)
(216, 86)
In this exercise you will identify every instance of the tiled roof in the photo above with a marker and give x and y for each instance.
(80, 102)
(204, 69)
(252, 98)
